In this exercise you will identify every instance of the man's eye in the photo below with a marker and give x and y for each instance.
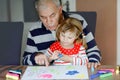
(43, 17)
(53, 15)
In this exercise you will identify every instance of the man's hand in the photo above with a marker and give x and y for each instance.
(41, 59)
(94, 64)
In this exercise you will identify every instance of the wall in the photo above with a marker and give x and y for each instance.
(118, 32)
(3, 10)
(72, 5)
(105, 26)
(16, 10)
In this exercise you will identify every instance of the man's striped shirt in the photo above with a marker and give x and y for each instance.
(39, 40)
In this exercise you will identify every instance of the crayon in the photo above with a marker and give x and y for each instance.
(15, 71)
(117, 70)
(103, 71)
(12, 76)
(95, 75)
(92, 68)
(111, 70)
(106, 75)
(60, 55)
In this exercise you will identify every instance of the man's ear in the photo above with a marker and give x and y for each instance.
(60, 9)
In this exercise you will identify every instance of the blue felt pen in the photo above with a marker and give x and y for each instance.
(95, 75)
(60, 55)
(92, 68)
(103, 71)
(15, 71)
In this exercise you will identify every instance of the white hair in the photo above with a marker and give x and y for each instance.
(41, 3)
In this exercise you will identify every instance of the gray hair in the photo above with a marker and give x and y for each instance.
(39, 3)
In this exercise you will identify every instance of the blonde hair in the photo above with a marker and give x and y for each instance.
(72, 25)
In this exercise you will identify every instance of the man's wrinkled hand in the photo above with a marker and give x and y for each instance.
(41, 59)
(94, 64)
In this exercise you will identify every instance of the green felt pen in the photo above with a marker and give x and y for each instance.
(106, 75)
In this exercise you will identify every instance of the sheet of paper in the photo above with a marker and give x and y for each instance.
(55, 72)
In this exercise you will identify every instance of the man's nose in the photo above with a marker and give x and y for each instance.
(49, 21)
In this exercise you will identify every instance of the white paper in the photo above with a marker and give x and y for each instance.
(55, 72)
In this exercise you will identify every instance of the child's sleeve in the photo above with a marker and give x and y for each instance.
(48, 52)
(81, 58)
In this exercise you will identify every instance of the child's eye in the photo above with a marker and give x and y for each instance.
(69, 37)
(63, 35)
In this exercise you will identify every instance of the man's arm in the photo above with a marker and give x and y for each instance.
(30, 52)
(39, 39)
(32, 56)
(93, 51)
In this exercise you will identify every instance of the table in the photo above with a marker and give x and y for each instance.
(4, 69)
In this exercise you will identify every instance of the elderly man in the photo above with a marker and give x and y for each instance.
(42, 34)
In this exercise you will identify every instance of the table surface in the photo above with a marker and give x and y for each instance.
(4, 69)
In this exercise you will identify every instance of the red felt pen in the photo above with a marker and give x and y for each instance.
(110, 69)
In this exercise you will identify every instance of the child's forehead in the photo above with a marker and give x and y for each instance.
(70, 33)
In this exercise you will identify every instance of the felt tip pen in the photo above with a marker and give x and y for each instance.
(92, 68)
(103, 71)
(12, 76)
(112, 70)
(15, 71)
(60, 55)
(106, 75)
(95, 75)
(117, 70)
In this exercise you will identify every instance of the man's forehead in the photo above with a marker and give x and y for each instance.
(46, 12)
(47, 5)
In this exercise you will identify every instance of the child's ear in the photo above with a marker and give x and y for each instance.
(81, 35)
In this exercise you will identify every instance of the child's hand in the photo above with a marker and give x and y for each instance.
(66, 58)
(55, 56)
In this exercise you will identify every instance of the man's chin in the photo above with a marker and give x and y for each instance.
(51, 28)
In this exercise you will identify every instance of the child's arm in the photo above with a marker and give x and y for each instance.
(52, 55)
(78, 59)
(81, 58)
